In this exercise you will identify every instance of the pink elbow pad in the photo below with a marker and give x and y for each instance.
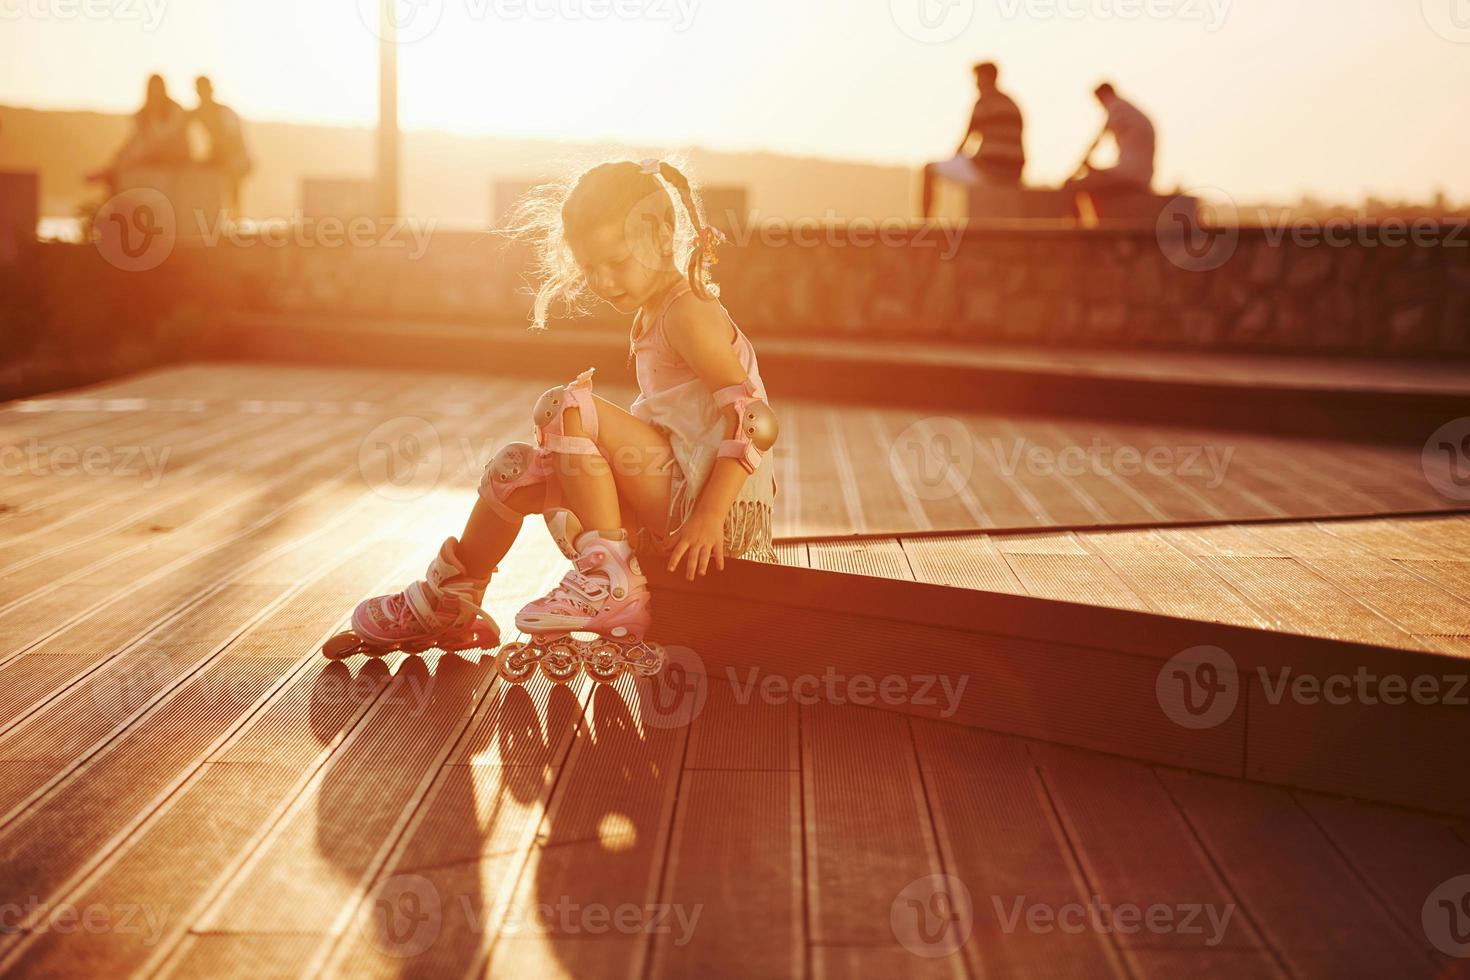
(758, 425)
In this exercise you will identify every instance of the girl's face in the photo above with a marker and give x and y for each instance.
(627, 266)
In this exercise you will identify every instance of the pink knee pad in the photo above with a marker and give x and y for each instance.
(550, 422)
(517, 465)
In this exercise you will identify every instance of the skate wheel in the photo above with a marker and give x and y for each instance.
(562, 663)
(649, 660)
(605, 664)
(515, 664)
(341, 646)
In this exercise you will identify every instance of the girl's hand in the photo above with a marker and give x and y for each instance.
(701, 538)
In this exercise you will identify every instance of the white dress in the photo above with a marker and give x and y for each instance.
(677, 402)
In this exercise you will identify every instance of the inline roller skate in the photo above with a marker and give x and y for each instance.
(605, 594)
(440, 611)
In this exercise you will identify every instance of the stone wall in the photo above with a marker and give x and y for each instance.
(1249, 290)
(1369, 293)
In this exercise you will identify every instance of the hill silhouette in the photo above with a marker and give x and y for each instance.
(447, 177)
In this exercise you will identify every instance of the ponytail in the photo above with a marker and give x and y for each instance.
(706, 239)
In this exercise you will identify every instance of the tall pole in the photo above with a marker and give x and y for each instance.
(388, 113)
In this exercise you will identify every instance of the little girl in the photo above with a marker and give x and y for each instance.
(690, 460)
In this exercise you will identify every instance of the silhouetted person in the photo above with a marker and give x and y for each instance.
(227, 153)
(160, 137)
(1000, 156)
(1134, 134)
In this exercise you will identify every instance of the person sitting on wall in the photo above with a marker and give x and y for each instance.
(1000, 157)
(1134, 135)
(227, 155)
(159, 139)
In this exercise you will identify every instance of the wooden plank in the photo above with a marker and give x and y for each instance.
(1003, 461)
(934, 473)
(1419, 539)
(107, 794)
(1170, 581)
(1405, 753)
(604, 839)
(792, 553)
(1402, 856)
(998, 835)
(1058, 567)
(966, 561)
(880, 558)
(1299, 891)
(1138, 851)
(883, 479)
(868, 831)
(822, 501)
(739, 724)
(735, 857)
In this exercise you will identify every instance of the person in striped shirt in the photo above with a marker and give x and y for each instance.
(1000, 156)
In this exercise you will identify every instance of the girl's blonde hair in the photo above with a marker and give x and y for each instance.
(607, 194)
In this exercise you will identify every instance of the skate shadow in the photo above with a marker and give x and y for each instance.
(420, 909)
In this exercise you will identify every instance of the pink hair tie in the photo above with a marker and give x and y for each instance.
(652, 166)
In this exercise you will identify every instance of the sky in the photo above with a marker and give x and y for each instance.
(1265, 99)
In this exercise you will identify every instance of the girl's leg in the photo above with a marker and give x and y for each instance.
(488, 536)
(638, 471)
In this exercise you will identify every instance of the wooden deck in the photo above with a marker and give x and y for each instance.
(191, 790)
